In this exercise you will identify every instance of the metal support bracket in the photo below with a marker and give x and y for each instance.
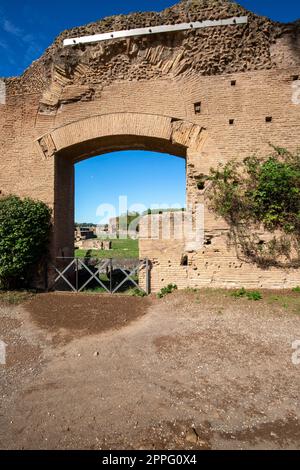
(237, 20)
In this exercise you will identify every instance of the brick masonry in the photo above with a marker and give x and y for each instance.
(144, 93)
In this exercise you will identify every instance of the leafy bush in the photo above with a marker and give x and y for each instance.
(251, 295)
(261, 195)
(138, 293)
(24, 235)
(239, 293)
(166, 290)
(296, 289)
(254, 295)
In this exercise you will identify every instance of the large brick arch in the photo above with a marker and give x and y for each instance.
(206, 95)
(105, 133)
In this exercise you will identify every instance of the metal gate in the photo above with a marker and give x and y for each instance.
(110, 275)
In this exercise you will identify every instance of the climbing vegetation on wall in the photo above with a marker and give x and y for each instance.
(24, 236)
(260, 200)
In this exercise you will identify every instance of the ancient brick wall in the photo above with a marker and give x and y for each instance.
(203, 95)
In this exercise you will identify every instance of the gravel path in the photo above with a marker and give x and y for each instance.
(196, 370)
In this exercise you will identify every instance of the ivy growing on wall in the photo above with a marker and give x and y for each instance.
(260, 200)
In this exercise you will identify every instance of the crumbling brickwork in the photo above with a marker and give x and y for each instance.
(203, 95)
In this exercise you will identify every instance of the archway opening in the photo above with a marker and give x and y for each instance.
(97, 136)
(113, 191)
(99, 205)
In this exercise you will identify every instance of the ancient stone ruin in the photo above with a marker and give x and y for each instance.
(205, 95)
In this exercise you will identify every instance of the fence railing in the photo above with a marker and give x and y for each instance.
(110, 275)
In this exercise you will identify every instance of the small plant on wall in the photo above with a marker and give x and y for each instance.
(260, 200)
(24, 236)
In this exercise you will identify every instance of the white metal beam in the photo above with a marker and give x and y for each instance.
(156, 30)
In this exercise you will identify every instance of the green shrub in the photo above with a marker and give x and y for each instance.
(24, 236)
(296, 289)
(239, 293)
(254, 295)
(138, 293)
(166, 290)
(251, 295)
(261, 194)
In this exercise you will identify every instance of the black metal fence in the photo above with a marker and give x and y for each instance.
(107, 275)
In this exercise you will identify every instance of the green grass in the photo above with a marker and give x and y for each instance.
(15, 297)
(96, 290)
(120, 249)
(287, 301)
(100, 290)
(134, 292)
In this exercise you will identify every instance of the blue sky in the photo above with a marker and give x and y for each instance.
(145, 178)
(28, 27)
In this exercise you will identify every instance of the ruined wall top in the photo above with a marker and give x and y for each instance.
(260, 44)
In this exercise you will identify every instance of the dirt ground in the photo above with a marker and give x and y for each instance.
(195, 370)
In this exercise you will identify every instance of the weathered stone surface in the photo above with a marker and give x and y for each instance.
(261, 44)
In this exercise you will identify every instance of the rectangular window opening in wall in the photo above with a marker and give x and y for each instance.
(184, 260)
(295, 78)
(231, 122)
(197, 107)
(233, 82)
(269, 119)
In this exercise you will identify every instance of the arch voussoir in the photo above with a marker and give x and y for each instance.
(179, 133)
